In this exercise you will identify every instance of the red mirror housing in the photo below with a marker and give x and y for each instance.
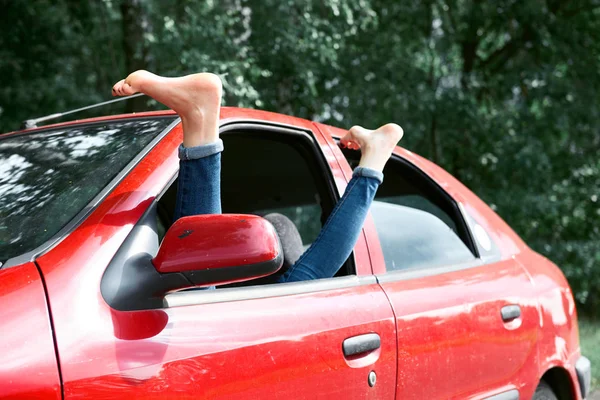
(217, 249)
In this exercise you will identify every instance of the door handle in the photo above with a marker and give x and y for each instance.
(361, 344)
(510, 313)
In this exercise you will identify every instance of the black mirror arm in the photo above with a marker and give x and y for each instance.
(130, 281)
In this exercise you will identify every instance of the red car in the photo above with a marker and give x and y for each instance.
(439, 300)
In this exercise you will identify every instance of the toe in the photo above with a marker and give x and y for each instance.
(117, 88)
(345, 141)
(356, 137)
(127, 89)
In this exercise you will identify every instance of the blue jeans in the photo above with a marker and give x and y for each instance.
(199, 192)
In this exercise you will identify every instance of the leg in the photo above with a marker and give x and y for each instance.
(339, 234)
(197, 100)
(199, 183)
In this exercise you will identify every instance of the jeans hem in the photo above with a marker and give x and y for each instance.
(193, 153)
(368, 173)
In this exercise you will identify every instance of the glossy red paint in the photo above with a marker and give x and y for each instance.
(557, 343)
(441, 333)
(28, 366)
(455, 329)
(459, 311)
(215, 241)
(213, 350)
(221, 351)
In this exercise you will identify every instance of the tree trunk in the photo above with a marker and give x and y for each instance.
(433, 140)
(136, 52)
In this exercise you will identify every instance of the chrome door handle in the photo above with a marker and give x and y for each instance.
(361, 344)
(510, 313)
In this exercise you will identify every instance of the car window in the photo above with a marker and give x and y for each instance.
(47, 177)
(278, 173)
(418, 224)
(270, 172)
(412, 238)
(420, 203)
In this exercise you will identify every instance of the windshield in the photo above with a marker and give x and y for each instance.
(48, 177)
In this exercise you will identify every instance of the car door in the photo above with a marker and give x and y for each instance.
(466, 320)
(28, 366)
(271, 341)
(466, 325)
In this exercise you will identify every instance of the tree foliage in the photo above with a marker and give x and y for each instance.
(501, 94)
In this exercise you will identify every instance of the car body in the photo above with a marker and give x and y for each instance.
(441, 328)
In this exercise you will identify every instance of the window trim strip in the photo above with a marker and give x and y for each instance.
(416, 273)
(189, 298)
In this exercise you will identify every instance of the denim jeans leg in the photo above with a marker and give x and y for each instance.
(199, 184)
(338, 236)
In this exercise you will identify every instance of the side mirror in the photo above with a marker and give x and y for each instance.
(201, 250)
(220, 249)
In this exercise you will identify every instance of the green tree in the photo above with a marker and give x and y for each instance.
(501, 94)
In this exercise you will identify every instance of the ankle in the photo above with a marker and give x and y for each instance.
(374, 160)
(199, 131)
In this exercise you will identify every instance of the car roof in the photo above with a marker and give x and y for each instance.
(236, 114)
(91, 120)
(227, 114)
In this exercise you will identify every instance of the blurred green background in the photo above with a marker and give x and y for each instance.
(502, 94)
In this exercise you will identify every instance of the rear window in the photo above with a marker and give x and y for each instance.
(48, 177)
(418, 224)
(412, 238)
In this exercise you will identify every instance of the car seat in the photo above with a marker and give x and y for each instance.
(291, 243)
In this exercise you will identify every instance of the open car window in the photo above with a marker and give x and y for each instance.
(418, 224)
(47, 177)
(271, 172)
(262, 174)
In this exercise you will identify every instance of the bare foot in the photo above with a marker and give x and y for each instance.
(376, 146)
(196, 98)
